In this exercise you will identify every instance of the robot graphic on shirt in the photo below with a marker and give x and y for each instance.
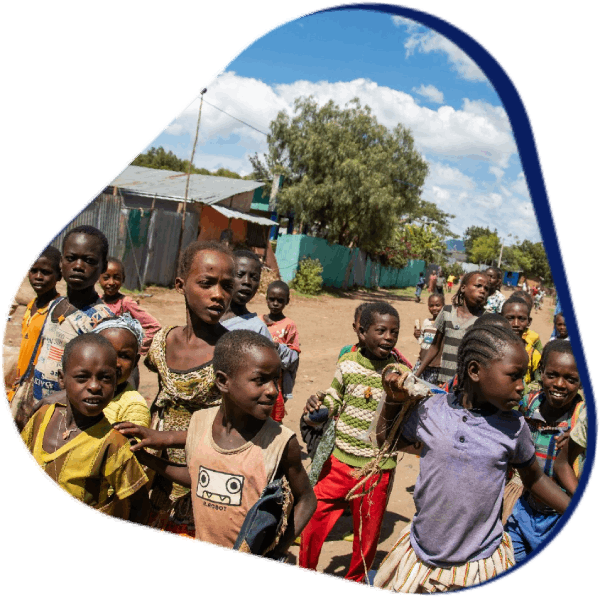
(220, 488)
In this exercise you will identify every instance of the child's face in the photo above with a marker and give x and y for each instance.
(277, 300)
(500, 383)
(518, 317)
(253, 386)
(435, 305)
(208, 286)
(112, 279)
(476, 291)
(246, 280)
(494, 279)
(42, 276)
(81, 262)
(561, 327)
(126, 347)
(90, 378)
(381, 336)
(560, 379)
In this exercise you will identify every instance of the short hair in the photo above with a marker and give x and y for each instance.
(496, 270)
(279, 285)
(483, 344)
(515, 300)
(91, 231)
(244, 253)
(52, 254)
(359, 310)
(232, 347)
(187, 257)
(89, 338)
(111, 259)
(524, 295)
(492, 319)
(437, 295)
(367, 317)
(562, 346)
(458, 300)
(560, 314)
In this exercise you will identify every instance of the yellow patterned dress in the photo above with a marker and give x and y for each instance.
(180, 394)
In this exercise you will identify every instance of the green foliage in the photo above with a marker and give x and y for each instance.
(308, 278)
(429, 214)
(486, 249)
(471, 235)
(414, 242)
(530, 258)
(345, 174)
(167, 160)
(452, 269)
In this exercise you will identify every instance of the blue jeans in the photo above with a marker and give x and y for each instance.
(528, 529)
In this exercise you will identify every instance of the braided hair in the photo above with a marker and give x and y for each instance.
(458, 300)
(483, 343)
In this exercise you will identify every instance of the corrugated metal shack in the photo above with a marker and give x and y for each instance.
(142, 210)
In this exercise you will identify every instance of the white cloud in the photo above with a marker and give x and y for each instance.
(497, 172)
(519, 186)
(433, 94)
(404, 22)
(447, 176)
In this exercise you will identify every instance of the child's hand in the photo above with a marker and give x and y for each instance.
(562, 440)
(149, 438)
(312, 404)
(393, 385)
(417, 333)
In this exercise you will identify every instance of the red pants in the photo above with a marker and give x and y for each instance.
(334, 484)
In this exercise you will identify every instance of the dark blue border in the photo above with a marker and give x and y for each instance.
(533, 174)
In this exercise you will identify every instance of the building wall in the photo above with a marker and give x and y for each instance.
(241, 201)
(212, 223)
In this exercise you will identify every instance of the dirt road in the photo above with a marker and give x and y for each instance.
(325, 325)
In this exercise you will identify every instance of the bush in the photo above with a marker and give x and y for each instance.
(308, 278)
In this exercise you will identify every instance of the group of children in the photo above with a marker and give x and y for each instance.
(211, 444)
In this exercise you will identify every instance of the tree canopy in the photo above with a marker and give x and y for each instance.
(472, 233)
(345, 174)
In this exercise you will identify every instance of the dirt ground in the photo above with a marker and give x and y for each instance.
(325, 325)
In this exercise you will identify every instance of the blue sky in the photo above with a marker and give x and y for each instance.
(406, 73)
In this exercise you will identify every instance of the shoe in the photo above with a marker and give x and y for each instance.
(349, 536)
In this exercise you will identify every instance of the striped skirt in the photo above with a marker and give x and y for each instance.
(402, 571)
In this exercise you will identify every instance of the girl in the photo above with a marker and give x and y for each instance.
(453, 322)
(182, 357)
(234, 450)
(125, 335)
(468, 440)
(84, 257)
(550, 414)
(496, 298)
(425, 335)
(111, 281)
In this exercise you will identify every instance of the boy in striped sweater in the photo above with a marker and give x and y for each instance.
(353, 398)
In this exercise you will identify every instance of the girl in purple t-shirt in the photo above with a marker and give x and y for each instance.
(468, 440)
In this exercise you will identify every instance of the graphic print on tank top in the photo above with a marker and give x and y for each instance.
(220, 488)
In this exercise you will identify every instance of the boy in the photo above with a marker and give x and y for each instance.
(43, 277)
(496, 298)
(419, 288)
(76, 445)
(283, 331)
(353, 397)
(425, 336)
(529, 336)
(234, 450)
(518, 313)
(561, 327)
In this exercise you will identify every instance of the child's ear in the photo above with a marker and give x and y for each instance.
(361, 333)
(137, 360)
(473, 369)
(528, 321)
(179, 284)
(61, 380)
(222, 381)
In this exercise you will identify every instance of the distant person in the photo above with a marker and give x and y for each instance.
(432, 282)
(425, 335)
(450, 282)
(419, 288)
(496, 298)
(440, 283)
(561, 327)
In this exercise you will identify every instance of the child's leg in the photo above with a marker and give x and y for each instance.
(367, 513)
(331, 489)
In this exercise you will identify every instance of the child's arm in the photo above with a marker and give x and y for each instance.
(543, 488)
(305, 502)
(151, 438)
(563, 466)
(148, 323)
(432, 353)
(177, 473)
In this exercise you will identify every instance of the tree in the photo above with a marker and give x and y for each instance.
(429, 214)
(344, 173)
(486, 249)
(414, 242)
(471, 235)
(531, 259)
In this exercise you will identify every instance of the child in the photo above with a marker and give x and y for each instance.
(496, 298)
(237, 317)
(283, 331)
(43, 276)
(111, 281)
(234, 450)
(517, 312)
(550, 414)
(531, 338)
(84, 257)
(353, 397)
(425, 335)
(468, 439)
(77, 446)
(453, 322)
(125, 335)
(569, 462)
(561, 327)
(182, 358)
(420, 286)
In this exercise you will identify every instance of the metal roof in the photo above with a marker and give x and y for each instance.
(166, 184)
(240, 215)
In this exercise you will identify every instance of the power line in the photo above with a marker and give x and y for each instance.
(227, 113)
